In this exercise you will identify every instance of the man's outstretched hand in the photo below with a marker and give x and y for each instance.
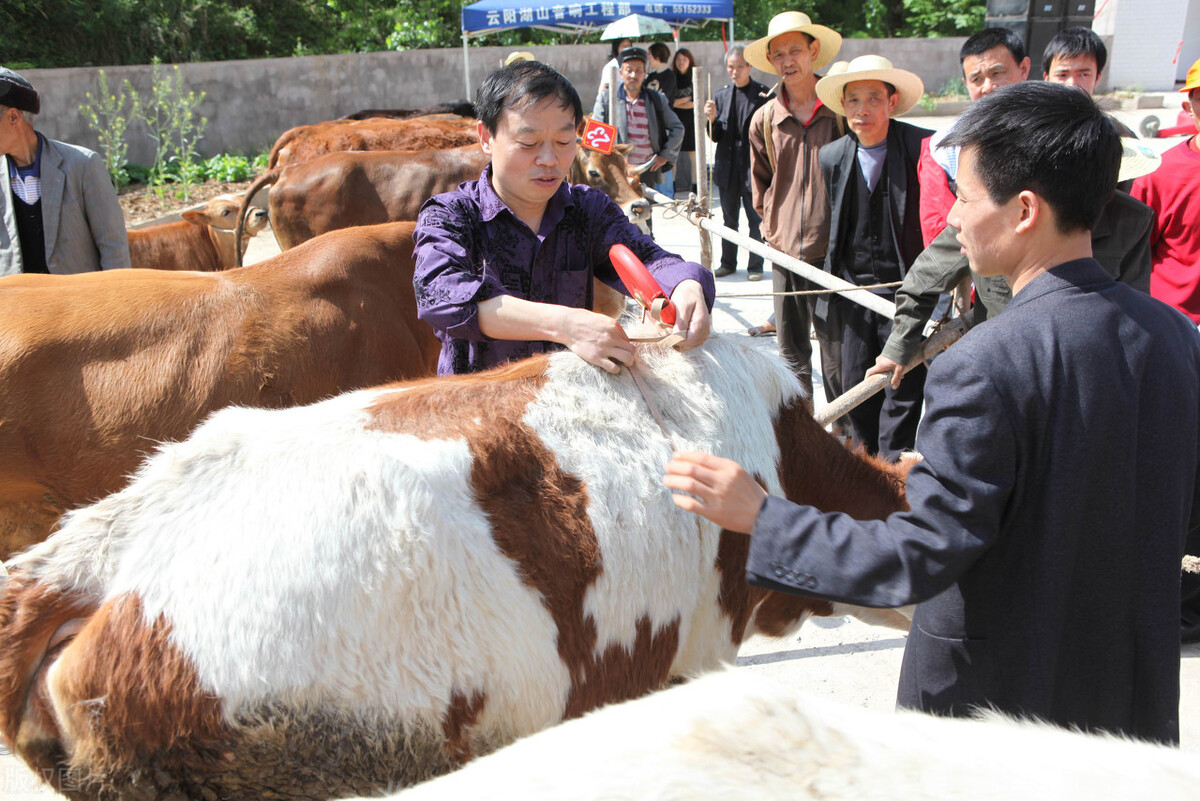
(720, 490)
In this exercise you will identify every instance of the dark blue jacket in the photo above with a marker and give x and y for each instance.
(1061, 443)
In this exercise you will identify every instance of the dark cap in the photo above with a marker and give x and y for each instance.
(18, 93)
(631, 53)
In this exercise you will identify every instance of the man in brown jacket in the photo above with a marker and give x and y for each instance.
(786, 183)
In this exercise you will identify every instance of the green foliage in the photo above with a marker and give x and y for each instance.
(171, 117)
(117, 32)
(106, 114)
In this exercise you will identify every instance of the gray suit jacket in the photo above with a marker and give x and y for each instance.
(85, 230)
(1061, 444)
(664, 128)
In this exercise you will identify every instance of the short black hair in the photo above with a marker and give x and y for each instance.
(988, 38)
(616, 45)
(891, 88)
(1072, 43)
(1050, 139)
(660, 52)
(521, 85)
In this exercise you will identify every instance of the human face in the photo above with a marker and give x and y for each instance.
(868, 107)
(1079, 71)
(532, 150)
(1192, 106)
(991, 69)
(633, 73)
(792, 56)
(985, 229)
(10, 129)
(738, 69)
(682, 62)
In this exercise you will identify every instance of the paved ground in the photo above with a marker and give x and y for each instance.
(841, 658)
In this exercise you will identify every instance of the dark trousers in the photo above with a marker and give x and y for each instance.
(734, 198)
(795, 320)
(1189, 586)
(886, 423)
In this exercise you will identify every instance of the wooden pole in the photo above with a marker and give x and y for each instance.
(613, 77)
(699, 96)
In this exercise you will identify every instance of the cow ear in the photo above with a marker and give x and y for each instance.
(194, 217)
(624, 148)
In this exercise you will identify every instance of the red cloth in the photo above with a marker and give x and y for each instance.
(936, 197)
(1173, 191)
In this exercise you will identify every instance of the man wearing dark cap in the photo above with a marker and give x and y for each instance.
(644, 118)
(60, 212)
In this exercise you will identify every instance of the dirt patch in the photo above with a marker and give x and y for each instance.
(140, 204)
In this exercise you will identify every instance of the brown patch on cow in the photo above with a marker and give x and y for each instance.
(538, 514)
(30, 613)
(619, 674)
(815, 469)
(461, 716)
(125, 694)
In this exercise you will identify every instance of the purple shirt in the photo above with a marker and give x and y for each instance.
(470, 247)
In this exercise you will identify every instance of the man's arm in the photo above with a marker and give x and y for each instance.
(600, 109)
(938, 269)
(957, 496)
(673, 127)
(716, 120)
(689, 286)
(104, 216)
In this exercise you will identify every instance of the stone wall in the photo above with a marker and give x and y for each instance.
(249, 103)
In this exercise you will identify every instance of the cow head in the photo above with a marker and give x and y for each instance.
(221, 213)
(611, 174)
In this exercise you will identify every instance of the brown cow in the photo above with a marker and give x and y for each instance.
(203, 241)
(419, 133)
(95, 368)
(354, 595)
(340, 190)
(612, 175)
(461, 108)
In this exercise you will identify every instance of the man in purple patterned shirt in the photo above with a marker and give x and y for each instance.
(504, 265)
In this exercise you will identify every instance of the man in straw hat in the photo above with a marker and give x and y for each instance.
(1061, 468)
(874, 232)
(60, 211)
(786, 183)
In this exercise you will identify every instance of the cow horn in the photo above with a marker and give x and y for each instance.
(643, 167)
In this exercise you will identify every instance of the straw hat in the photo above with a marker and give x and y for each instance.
(871, 68)
(1136, 159)
(789, 22)
(518, 56)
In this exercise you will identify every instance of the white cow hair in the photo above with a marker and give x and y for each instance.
(736, 735)
(303, 559)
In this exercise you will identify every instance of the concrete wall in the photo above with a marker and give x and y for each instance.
(1147, 35)
(249, 103)
(1190, 50)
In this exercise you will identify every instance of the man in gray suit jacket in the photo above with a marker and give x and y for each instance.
(1061, 444)
(60, 212)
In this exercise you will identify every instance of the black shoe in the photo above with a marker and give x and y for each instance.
(723, 271)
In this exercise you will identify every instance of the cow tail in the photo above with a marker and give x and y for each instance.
(268, 178)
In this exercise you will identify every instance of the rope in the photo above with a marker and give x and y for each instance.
(722, 296)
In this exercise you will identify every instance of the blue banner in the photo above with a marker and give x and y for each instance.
(500, 15)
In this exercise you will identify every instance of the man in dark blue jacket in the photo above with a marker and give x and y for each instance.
(729, 114)
(1061, 443)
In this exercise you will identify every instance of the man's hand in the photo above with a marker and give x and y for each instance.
(659, 161)
(885, 365)
(693, 319)
(710, 110)
(723, 492)
(596, 338)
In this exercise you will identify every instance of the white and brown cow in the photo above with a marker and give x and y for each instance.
(365, 592)
(203, 240)
(737, 735)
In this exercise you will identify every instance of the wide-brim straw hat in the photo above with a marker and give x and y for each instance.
(871, 68)
(1137, 159)
(793, 22)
